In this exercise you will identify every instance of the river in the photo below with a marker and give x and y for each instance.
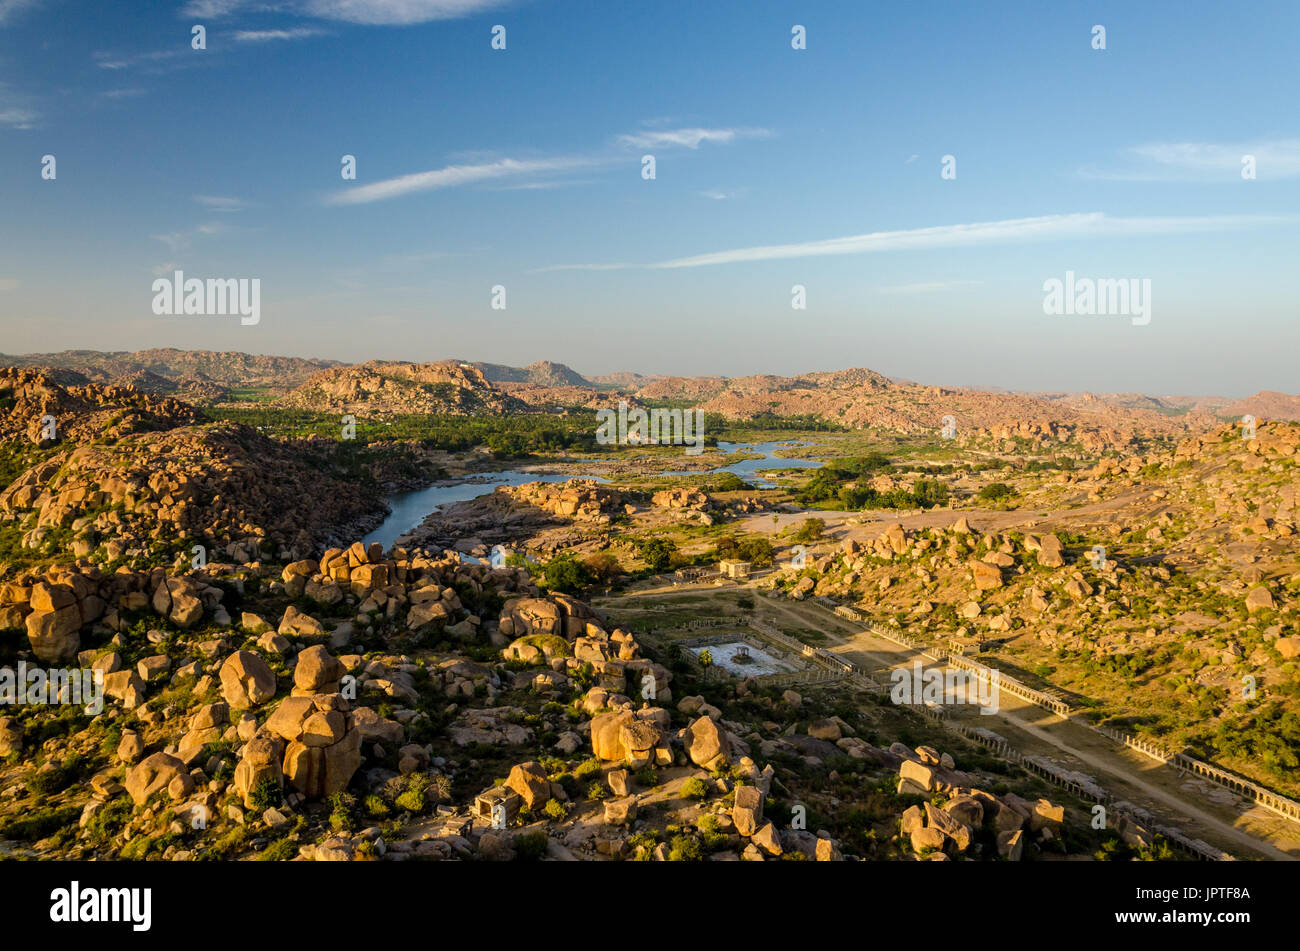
(411, 508)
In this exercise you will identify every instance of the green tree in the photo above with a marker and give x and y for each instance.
(757, 551)
(810, 531)
(658, 553)
(566, 574)
(602, 566)
(995, 492)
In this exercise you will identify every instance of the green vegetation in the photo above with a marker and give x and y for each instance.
(810, 531)
(506, 436)
(836, 485)
(658, 553)
(695, 788)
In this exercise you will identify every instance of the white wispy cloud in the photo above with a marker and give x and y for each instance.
(717, 194)
(9, 7)
(688, 138)
(1044, 228)
(213, 9)
(182, 240)
(220, 203)
(269, 36)
(16, 110)
(127, 93)
(452, 176)
(368, 12)
(154, 58)
(17, 118)
(1201, 161)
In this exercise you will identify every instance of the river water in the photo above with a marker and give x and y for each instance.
(411, 508)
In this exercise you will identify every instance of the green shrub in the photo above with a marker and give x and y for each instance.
(695, 788)
(264, 795)
(530, 846)
(684, 848)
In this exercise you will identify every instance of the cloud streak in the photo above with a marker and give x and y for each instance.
(1202, 161)
(220, 203)
(365, 12)
(269, 36)
(9, 7)
(687, 138)
(1044, 228)
(452, 176)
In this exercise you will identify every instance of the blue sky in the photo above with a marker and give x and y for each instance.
(523, 168)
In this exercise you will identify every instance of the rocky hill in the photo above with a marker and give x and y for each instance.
(861, 398)
(541, 373)
(393, 388)
(146, 496)
(1267, 404)
(192, 371)
(33, 405)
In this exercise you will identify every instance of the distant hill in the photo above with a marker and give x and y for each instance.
(541, 373)
(196, 373)
(1267, 404)
(395, 388)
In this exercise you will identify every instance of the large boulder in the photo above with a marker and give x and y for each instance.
(706, 744)
(606, 740)
(295, 623)
(324, 749)
(246, 681)
(1259, 599)
(986, 576)
(126, 687)
(55, 634)
(1051, 553)
(154, 773)
(317, 672)
(747, 811)
(259, 762)
(531, 782)
(178, 600)
(11, 736)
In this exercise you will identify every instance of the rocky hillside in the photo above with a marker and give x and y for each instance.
(386, 388)
(191, 371)
(857, 399)
(541, 373)
(1267, 404)
(149, 495)
(31, 398)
